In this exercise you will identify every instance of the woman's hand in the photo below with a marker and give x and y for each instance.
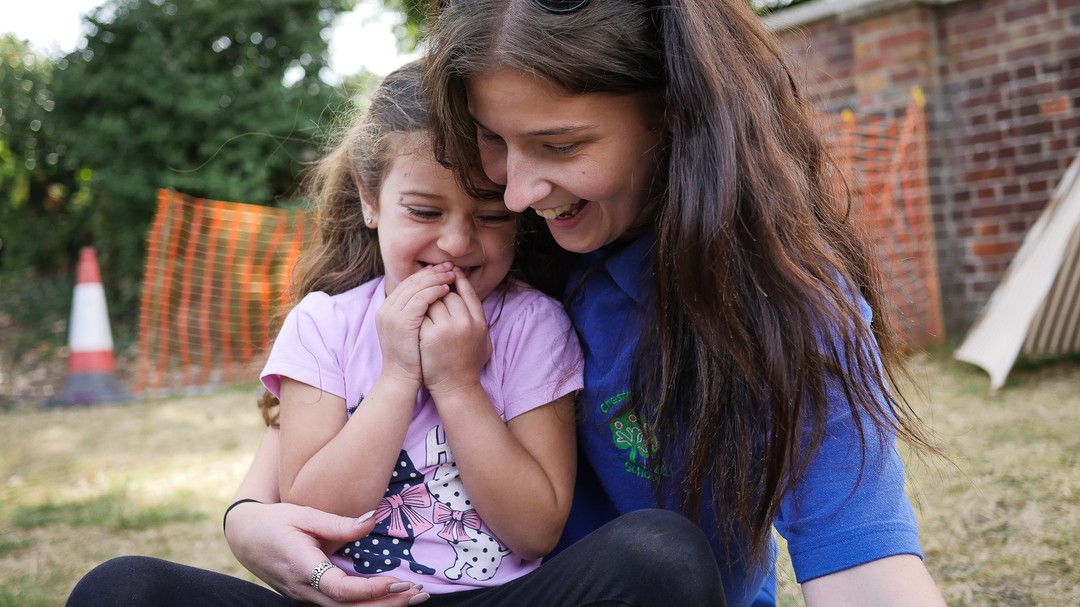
(454, 340)
(282, 543)
(399, 318)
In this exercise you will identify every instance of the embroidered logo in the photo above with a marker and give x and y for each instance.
(628, 437)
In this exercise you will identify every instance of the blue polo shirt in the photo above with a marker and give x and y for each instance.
(844, 511)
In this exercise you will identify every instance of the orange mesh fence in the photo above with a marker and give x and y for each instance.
(213, 285)
(216, 271)
(884, 160)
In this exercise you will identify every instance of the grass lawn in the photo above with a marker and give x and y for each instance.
(1000, 523)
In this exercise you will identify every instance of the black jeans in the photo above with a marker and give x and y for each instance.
(645, 558)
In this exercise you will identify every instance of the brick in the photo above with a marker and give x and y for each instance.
(1006, 153)
(989, 174)
(1035, 128)
(1058, 145)
(990, 249)
(1055, 105)
(917, 37)
(1028, 110)
(1039, 166)
(978, 23)
(1018, 226)
(1034, 148)
(1030, 51)
(1038, 187)
(1000, 78)
(977, 63)
(1032, 9)
(987, 228)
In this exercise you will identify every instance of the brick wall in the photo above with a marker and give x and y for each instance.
(1002, 79)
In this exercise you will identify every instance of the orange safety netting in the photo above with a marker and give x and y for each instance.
(216, 271)
(885, 162)
(212, 288)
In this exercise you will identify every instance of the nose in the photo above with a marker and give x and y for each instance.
(457, 237)
(525, 185)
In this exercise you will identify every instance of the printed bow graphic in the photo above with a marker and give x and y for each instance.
(455, 521)
(401, 507)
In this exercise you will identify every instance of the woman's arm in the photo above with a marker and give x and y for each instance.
(282, 543)
(895, 581)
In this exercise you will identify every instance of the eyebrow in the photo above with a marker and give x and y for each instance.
(548, 132)
(419, 194)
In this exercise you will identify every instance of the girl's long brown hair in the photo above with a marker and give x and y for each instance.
(758, 267)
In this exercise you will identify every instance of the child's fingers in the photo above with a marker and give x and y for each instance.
(437, 312)
(468, 294)
(420, 302)
(438, 277)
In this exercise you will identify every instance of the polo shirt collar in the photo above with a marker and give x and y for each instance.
(630, 265)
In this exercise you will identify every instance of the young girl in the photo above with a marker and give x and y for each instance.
(416, 378)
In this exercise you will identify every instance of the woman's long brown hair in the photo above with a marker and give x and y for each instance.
(759, 269)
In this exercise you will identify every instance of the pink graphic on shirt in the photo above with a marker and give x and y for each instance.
(454, 522)
(400, 508)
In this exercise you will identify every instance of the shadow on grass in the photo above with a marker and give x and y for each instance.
(112, 510)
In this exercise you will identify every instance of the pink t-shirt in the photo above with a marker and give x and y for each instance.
(427, 531)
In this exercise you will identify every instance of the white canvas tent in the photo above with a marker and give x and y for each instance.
(1035, 309)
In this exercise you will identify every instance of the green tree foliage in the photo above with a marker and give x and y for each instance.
(414, 25)
(217, 99)
(43, 200)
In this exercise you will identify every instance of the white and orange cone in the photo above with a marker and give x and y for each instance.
(91, 365)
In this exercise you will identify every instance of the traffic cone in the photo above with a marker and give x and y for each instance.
(91, 365)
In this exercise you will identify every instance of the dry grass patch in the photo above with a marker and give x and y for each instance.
(81, 485)
(1000, 523)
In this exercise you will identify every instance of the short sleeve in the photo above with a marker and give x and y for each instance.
(849, 507)
(539, 357)
(309, 348)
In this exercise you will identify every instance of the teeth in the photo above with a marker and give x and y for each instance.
(568, 210)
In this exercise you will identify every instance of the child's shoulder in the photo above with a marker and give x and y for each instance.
(520, 303)
(320, 303)
(523, 295)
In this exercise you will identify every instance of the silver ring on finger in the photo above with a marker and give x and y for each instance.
(318, 571)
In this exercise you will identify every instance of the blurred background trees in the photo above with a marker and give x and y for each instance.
(225, 100)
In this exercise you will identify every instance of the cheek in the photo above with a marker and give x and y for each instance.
(501, 241)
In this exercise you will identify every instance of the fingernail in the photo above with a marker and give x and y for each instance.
(399, 587)
(364, 517)
(419, 598)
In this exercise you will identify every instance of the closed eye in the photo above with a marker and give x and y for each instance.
(563, 149)
(421, 213)
(495, 218)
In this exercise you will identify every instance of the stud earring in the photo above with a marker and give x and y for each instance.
(367, 220)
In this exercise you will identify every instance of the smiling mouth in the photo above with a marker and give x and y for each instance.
(563, 212)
